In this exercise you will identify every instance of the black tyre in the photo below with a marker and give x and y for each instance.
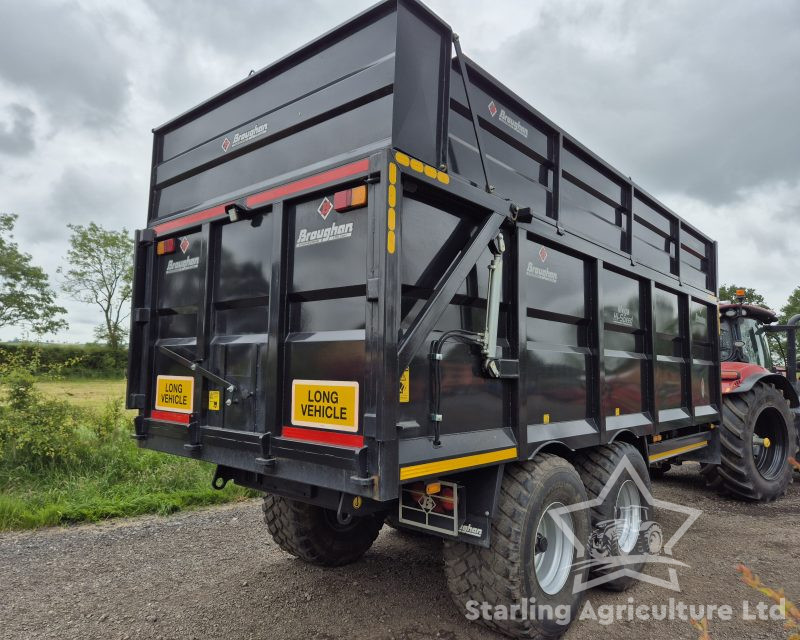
(313, 534)
(392, 522)
(749, 470)
(623, 511)
(519, 565)
(659, 469)
(710, 473)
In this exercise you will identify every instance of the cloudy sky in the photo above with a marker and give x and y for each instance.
(698, 101)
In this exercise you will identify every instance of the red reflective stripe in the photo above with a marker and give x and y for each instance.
(265, 196)
(195, 218)
(324, 437)
(308, 183)
(169, 416)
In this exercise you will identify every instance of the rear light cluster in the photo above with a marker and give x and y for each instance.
(350, 199)
(166, 246)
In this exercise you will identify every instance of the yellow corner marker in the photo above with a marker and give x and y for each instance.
(546, 419)
(402, 158)
(616, 411)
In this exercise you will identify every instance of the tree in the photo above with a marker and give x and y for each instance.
(728, 292)
(26, 299)
(100, 272)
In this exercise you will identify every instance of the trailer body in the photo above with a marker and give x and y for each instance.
(282, 330)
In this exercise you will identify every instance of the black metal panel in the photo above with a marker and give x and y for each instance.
(421, 83)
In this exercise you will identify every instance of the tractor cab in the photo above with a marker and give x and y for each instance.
(742, 337)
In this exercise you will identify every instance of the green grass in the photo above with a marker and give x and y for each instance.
(86, 394)
(102, 473)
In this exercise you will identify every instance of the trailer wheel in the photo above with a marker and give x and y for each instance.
(752, 468)
(313, 533)
(530, 558)
(623, 512)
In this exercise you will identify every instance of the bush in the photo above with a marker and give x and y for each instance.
(81, 360)
(35, 430)
(61, 464)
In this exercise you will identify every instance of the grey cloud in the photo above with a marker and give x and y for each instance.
(68, 57)
(16, 138)
(690, 97)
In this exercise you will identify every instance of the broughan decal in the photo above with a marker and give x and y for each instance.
(306, 238)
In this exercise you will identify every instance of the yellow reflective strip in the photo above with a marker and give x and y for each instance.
(674, 452)
(391, 219)
(416, 165)
(443, 177)
(390, 242)
(402, 158)
(442, 466)
(392, 195)
(392, 173)
(430, 171)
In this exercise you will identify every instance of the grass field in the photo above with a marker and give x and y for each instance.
(98, 472)
(86, 394)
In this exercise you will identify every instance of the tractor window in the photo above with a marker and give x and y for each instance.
(725, 341)
(755, 343)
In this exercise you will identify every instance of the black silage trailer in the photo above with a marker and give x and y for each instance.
(375, 281)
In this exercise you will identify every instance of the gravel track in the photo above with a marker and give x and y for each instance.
(214, 573)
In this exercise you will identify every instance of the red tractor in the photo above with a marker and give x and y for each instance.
(760, 430)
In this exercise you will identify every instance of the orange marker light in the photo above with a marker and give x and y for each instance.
(741, 293)
(432, 488)
(350, 199)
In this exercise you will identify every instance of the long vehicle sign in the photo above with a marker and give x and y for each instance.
(328, 404)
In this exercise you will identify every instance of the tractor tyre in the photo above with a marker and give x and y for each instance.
(710, 473)
(313, 533)
(530, 558)
(625, 509)
(659, 469)
(753, 469)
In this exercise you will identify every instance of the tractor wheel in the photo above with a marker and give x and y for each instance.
(659, 469)
(757, 438)
(313, 533)
(710, 473)
(624, 508)
(531, 558)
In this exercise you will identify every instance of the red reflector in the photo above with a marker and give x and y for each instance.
(170, 416)
(731, 375)
(323, 437)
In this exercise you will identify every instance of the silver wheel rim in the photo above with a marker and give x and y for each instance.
(629, 516)
(553, 565)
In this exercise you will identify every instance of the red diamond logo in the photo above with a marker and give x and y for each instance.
(184, 245)
(324, 208)
(492, 108)
(542, 254)
(226, 144)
